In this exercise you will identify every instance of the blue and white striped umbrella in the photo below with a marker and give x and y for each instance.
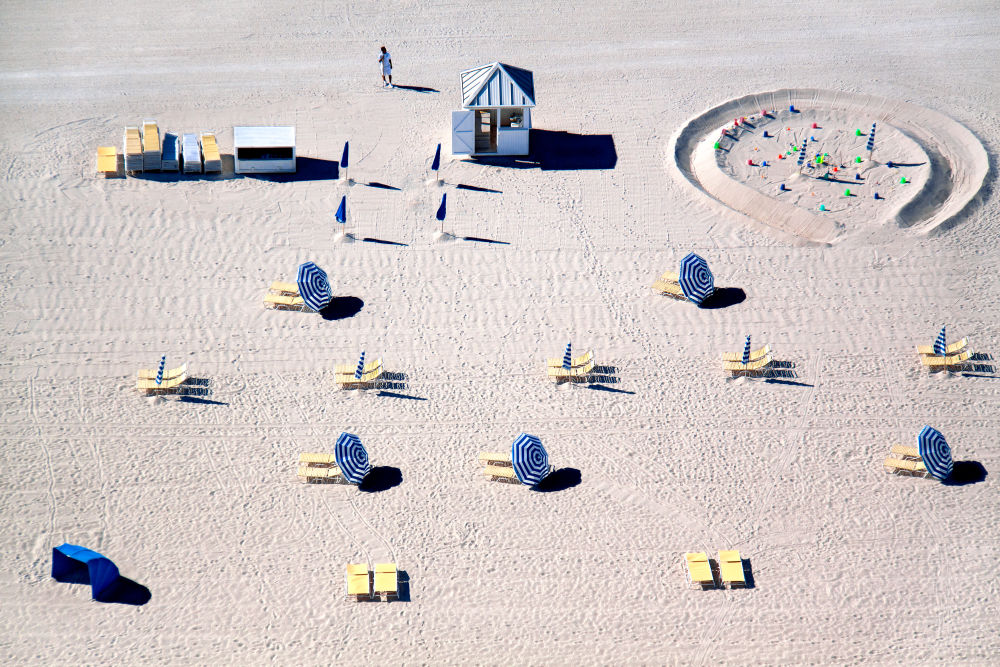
(352, 459)
(359, 371)
(696, 280)
(802, 153)
(746, 351)
(159, 372)
(568, 356)
(871, 140)
(940, 346)
(314, 288)
(935, 452)
(531, 461)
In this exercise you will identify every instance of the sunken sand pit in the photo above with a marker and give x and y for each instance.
(195, 498)
(924, 168)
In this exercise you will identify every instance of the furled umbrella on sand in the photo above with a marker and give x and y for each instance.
(531, 461)
(314, 288)
(568, 356)
(940, 344)
(746, 352)
(352, 459)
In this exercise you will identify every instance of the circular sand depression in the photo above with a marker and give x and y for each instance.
(943, 163)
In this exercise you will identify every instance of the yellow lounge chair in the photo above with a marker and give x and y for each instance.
(210, 153)
(754, 368)
(150, 374)
(280, 287)
(699, 570)
(731, 569)
(573, 374)
(317, 459)
(358, 581)
(107, 161)
(948, 350)
(947, 363)
(582, 360)
(901, 467)
(371, 372)
(386, 581)
(499, 473)
(284, 302)
(669, 289)
(754, 355)
(906, 453)
(309, 474)
(345, 369)
(496, 459)
(167, 386)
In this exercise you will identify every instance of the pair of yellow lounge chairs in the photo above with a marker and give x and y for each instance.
(360, 585)
(171, 381)
(701, 576)
(318, 467)
(344, 375)
(905, 461)
(499, 467)
(760, 360)
(580, 368)
(669, 285)
(954, 358)
(284, 296)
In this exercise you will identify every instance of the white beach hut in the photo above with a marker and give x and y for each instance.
(496, 111)
(264, 150)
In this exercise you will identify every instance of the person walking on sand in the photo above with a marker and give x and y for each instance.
(386, 61)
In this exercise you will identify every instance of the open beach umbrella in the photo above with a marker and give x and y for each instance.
(159, 371)
(531, 461)
(436, 164)
(746, 351)
(935, 452)
(342, 210)
(696, 281)
(343, 158)
(352, 459)
(940, 346)
(360, 370)
(314, 286)
(568, 356)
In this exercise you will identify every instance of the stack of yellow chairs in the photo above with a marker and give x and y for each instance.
(210, 153)
(151, 152)
(132, 148)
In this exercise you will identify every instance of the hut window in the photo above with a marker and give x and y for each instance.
(512, 117)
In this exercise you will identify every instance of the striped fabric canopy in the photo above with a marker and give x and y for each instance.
(352, 459)
(697, 282)
(314, 286)
(935, 452)
(531, 461)
(159, 371)
(746, 351)
(940, 345)
(568, 356)
(359, 371)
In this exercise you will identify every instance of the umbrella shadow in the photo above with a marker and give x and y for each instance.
(342, 307)
(381, 478)
(478, 239)
(393, 394)
(475, 188)
(724, 297)
(559, 480)
(966, 472)
(369, 239)
(417, 89)
(380, 186)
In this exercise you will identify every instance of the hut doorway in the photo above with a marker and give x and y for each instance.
(486, 130)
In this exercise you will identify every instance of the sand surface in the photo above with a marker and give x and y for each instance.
(197, 500)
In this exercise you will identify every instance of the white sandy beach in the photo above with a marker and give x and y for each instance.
(197, 500)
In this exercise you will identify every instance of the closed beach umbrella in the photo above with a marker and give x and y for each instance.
(159, 371)
(568, 356)
(314, 286)
(436, 164)
(442, 209)
(343, 158)
(342, 210)
(802, 153)
(871, 140)
(940, 346)
(352, 459)
(531, 461)
(697, 282)
(359, 371)
(746, 351)
(935, 452)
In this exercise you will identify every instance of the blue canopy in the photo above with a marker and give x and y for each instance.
(531, 461)
(935, 453)
(70, 562)
(696, 281)
(314, 288)
(352, 459)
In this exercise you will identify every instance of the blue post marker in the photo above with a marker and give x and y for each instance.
(822, 207)
(764, 163)
(782, 188)
(791, 107)
(857, 177)
(889, 164)
(876, 196)
(812, 138)
(766, 135)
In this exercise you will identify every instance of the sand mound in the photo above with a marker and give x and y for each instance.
(943, 163)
